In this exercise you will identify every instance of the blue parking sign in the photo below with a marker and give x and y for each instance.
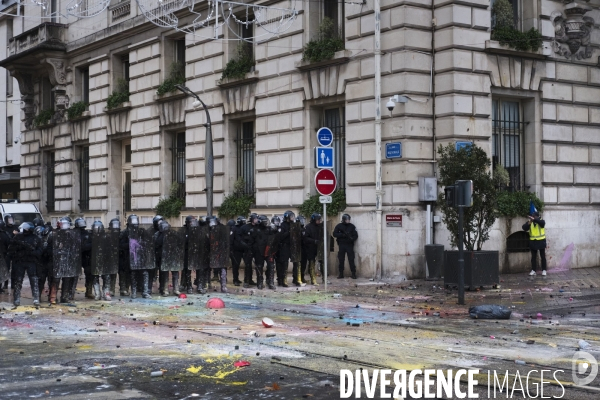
(325, 137)
(324, 157)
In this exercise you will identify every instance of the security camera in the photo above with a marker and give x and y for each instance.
(390, 105)
(196, 104)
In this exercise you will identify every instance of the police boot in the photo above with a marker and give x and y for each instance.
(106, 285)
(134, 283)
(146, 280)
(207, 278)
(18, 285)
(200, 277)
(35, 290)
(188, 282)
(124, 283)
(64, 289)
(284, 277)
(259, 278)
(89, 283)
(271, 276)
(152, 275)
(216, 276)
(163, 283)
(175, 280)
(96, 288)
(113, 284)
(298, 280)
(53, 291)
(354, 273)
(312, 272)
(223, 280)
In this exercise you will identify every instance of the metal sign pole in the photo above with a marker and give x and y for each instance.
(325, 248)
(461, 258)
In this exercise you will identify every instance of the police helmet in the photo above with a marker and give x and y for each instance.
(346, 218)
(276, 220)
(315, 217)
(251, 217)
(26, 227)
(254, 219)
(163, 226)
(211, 220)
(241, 220)
(97, 227)
(188, 219)
(302, 220)
(65, 224)
(193, 223)
(38, 222)
(39, 231)
(8, 219)
(133, 220)
(264, 220)
(80, 223)
(231, 223)
(115, 224)
(156, 220)
(68, 218)
(289, 216)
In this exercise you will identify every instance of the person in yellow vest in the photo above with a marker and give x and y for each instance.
(537, 241)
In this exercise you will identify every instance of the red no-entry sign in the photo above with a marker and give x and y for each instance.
(325, 182)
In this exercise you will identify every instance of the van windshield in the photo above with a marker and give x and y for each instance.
(24, 217)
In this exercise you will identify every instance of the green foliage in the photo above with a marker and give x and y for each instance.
(501, 176)
(76, 109)
(43, 118)
(503, 14)
(325, 45)
(240, 64)
(119, 96)
(312, 204)
(170, 207)
(516, 204)
(468, 163)
(176, 77)
(522, 41)
(236, 203)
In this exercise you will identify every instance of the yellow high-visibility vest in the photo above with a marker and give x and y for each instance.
(536, 232)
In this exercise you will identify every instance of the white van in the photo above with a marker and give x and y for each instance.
(21, 212)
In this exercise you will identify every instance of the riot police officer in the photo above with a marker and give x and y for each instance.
(97, 267)
(5, 260)
(45, 264)
(303, 259)
(258, 250)
(219, 249)
(10, 230)
(25, 251)
(271, 250)
(138, 275)
(247, 239)
(154, 273)
(312, 238)
(159, 242)
(285, 248)
(346, 235)
(86, 256)
(237, 249)
(115, 226)
(186, 279)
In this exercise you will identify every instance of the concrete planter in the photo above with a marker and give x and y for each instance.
(340, 57)
(171, 107)
(79, 127)
(482, 268)
(119, 119)
(493, 46)
(250, 77)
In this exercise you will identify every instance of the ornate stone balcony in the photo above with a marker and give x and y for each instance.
(47, 36)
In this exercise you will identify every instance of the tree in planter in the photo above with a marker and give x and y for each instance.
(176, 77)
(313, 205)
(506, 33)
(237, 203)
(240, 64)
(76, 109)
(326, 44)
(43, 118)
(119, 96)
(468, 163)
(170, 207)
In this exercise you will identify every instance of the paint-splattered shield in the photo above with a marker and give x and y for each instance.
(105, 252)
(219, 246)
(320, 248)
(295, 241)
(4, 273)
(173, 249)
(195, 251)
(272, 243)
(66, 253)
(141, 248)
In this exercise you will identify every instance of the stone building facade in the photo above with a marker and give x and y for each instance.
(536, 113)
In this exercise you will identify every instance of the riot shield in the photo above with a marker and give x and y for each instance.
(172, 250)
(272, 245)
(295, 241)
(141, 248)
(4, 272)
(66, 253)
(112, 254)
(219, 246)
(194, 251)
(105, 252)
(204, 248)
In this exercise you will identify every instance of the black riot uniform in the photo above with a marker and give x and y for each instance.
(219, 250)
(203, 272)
(25, 250)
(10, 229)
(154, 273)
(271, 249)
(303, 260)
(284, 248)
(137, 275)
(237, 249)
(86, 258)
(247, 238)
(5, 239)
(104, 292)
(45, 264)
(114, 226)
(261, 234)
(55, 281)
(186, 279)
(124, 269)
(312, 238)
(158, 251)
(346, 235)
(48, 258)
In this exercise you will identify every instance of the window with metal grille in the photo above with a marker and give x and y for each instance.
(47, 95)
(178, 160)
(50, 199)
(125, 66)
(180, 51)
(334, 10)
(335, 119)
(85, 85)
(84, 179)
(127, 191)
(245, 155)
(516, 9)
(507, 139)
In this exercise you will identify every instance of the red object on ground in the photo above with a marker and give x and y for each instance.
(182, 296)
(215, 302)
(267, 322)
(241, 363)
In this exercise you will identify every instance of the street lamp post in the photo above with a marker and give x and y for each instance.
(209, 170)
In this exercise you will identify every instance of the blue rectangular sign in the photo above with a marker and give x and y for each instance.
(324, 157)
(462, 145)
(393, 150)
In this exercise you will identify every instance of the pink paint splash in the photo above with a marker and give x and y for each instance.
(134, 247)
(565, 262)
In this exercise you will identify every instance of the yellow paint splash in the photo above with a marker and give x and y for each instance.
(220, 374)
(85, 347)
(194, 370)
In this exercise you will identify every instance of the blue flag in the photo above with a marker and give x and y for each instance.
(532, 208)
